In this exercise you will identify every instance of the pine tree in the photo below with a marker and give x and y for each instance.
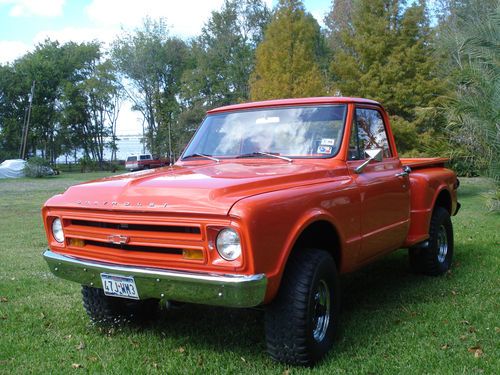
(388, 56)
(287, 62)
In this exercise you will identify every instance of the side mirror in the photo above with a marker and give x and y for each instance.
(373, 154)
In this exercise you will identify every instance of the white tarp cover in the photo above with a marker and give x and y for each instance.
(13, 168)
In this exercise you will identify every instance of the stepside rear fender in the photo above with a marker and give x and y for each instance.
(429, 186)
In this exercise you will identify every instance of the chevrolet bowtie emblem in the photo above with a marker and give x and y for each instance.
(118, 239)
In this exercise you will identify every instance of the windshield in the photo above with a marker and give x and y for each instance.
(303, 132)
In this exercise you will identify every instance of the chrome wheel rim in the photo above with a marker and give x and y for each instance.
(442, 243)
(321, 313)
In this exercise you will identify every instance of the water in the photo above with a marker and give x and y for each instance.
(127, 144)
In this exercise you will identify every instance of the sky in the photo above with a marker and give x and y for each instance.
(25, 23)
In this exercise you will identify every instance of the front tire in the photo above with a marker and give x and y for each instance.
(302, 320)
(435, 259)
(112, 311)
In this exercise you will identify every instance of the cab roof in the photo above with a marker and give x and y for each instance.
(292, 102)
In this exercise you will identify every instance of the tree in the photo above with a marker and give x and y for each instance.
(469, 40)
(388, 56)
(339, 21)
(224, 54)
(90, 105)
(287, 59)
(54, 67)
(151, 64)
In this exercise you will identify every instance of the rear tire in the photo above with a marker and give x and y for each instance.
(302, 320)
(435, 258)
(112, 311)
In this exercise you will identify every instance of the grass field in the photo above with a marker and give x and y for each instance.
(393, 322)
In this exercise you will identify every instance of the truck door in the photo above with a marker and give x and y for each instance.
(385, 196)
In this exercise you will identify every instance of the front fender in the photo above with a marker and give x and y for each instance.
(272, 222)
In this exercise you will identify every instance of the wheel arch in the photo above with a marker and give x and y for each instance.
(320, 234)
(443, 199)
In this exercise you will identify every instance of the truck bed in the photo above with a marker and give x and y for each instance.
(417, 163)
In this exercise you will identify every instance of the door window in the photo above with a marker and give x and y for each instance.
(368, 132)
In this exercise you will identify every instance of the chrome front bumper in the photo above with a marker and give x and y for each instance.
(209, 289)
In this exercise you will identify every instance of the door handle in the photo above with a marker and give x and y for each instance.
(402, 174)
(406, 172)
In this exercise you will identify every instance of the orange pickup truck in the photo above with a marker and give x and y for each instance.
(269, 203)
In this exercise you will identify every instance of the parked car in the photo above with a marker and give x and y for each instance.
(13, 168)
(267, 206)
(144, 161)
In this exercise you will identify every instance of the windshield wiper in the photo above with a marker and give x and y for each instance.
(253, 154)
(201, 155)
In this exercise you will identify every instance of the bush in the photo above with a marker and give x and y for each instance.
(38, 167)
(87, 164)
(493, 200)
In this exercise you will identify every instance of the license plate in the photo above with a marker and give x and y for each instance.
(119, 286)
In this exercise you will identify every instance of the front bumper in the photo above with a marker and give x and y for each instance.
(182, 286)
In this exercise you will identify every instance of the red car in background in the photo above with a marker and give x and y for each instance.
(144, 161)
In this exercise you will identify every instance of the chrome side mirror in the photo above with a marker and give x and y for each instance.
(373, 154)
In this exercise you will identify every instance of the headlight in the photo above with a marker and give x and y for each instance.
(57, 230)
(228, 244)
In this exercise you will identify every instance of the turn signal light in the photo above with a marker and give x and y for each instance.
(192, 254)
(76, 242)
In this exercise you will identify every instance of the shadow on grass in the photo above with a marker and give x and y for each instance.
(372, 300)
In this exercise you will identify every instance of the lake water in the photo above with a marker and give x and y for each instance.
(127, 144)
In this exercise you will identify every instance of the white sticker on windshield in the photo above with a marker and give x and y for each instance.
(267, 120)
(324, 150)
(327, 141)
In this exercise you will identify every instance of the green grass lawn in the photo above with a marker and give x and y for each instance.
(393, 322)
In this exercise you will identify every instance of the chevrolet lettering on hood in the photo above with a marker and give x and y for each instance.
(122, 204)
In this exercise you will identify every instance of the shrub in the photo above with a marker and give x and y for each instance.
(38, 167)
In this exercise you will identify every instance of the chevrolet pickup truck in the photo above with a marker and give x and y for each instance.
(269, 203)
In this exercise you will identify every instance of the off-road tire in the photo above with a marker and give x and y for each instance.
(289, 321)
(113, 311)
(436, 257)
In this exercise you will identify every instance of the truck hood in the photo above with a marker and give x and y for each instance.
(207, 189)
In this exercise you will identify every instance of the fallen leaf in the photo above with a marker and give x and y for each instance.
(92, 358)
(454, 292)
(478, 352)
(67, 337)
(4, 299)
(243, 359)
(472, 329)
(497, 329)
(286, 372)
(181, 350)
(463, 337)
(80, 346)
(445, 346)
(155, 365)
(76, 365)
(466, 322)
